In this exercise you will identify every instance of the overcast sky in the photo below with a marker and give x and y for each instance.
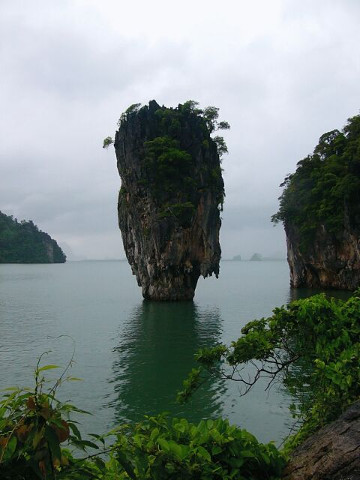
(282, 72)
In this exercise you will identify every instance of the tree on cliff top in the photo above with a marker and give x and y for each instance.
(209, 114)
(325, 189)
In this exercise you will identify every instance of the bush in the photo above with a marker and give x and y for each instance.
(34, 427)
(162, 448)
(39, 440)
(312, 346)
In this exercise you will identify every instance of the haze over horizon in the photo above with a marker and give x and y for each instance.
(281, 72)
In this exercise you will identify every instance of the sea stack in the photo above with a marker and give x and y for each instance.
(170, 198)
(320, 209)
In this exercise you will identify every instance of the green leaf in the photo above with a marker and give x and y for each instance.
(247, 454)
(124, 462)
(10, 447)
(53, 442)
(175, 448)
(216, 449)
(75, 430)
(163, 444)
(154, 434)
(203, 453)
(87, 443)
(47, 367)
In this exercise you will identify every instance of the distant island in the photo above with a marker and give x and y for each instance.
(257, 257)
(23, 242)
(237, 258)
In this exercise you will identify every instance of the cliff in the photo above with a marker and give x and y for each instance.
(332, 260)
(331, 453)
(23, 242)
(320, 209)
(170, 198)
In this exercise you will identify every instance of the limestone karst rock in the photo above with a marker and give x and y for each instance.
(332, 260)
(320, 209)
(170, 198)
(331, 453)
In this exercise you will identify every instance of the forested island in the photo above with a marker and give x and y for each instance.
(320, 209)
(23, 242)
(171, 195)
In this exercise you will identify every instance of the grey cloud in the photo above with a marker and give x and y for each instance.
(66, 78)
(72, 66)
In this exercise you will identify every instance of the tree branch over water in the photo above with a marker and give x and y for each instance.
(311, 346)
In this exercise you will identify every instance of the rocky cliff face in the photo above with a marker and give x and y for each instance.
(169, 201)
(330, 261)
(331, 453)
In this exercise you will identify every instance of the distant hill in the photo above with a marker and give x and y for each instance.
(23, 242)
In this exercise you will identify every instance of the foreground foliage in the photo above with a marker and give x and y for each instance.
(33, 428)
(312, 346)
(160, 448)
(40, 440)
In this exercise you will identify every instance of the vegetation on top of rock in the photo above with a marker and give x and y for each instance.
(171, 121)
(325, 189)
(169, 156)
(23, 242)
(166, 161)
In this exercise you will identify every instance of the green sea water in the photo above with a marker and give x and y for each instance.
(132, 355)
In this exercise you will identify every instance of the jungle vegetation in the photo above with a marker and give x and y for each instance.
(170, 173)
(325, 189)
(311, 347)
(23, 242)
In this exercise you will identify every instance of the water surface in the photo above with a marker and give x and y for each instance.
(133, 355)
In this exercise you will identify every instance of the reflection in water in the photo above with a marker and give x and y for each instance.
(299, 293)
(155, 352)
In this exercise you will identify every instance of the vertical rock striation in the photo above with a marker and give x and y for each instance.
(332, 260)
(170, 198)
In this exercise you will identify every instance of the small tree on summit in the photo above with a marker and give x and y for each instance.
(211, 114)
(107, 142)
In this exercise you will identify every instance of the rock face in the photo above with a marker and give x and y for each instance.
(331, 261)
(331, 453)
(170, 199)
